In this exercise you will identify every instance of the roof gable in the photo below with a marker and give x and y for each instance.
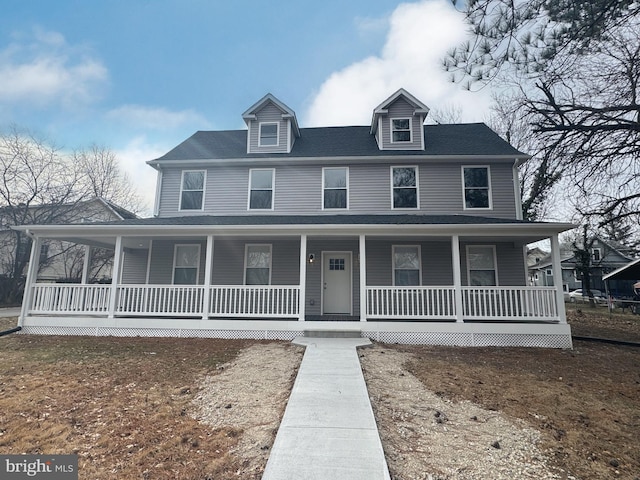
(287, 113)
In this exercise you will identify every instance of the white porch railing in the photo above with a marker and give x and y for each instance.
(241, 301)
(263, 301)
(275, 301)
(411, 303)
(509, 303)
(160, 300)
(70, 298)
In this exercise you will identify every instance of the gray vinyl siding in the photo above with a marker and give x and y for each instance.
(298, 189)
(134, 267)
(402, 109)
(270, 114)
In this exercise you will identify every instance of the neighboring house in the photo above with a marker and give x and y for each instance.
(397, 231)
(61, 260)
(606, 257)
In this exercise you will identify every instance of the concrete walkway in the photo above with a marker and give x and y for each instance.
(328, 430)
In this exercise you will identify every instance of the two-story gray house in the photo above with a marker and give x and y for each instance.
(397, 231)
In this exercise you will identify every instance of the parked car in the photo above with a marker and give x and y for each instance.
(581, 296)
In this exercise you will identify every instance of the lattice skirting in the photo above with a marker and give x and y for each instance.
(472, 339)
(162, 332)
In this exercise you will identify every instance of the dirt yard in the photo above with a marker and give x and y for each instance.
(139, 408)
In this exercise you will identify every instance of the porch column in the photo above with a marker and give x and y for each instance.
(115, 276)
(208, 268)
(32, 275)
(363, 279)
(86, 264)
(557, 277)
(303, 277)
(457, 276)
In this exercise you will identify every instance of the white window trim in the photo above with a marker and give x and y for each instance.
(417, 207)
(593, 254)
(324, 188)
(495, 262)
(391, 130)
(273, 190)
(246, 251)
(393, 263)
(204, 189)
(175, 250)
(277, 124)
(464, 188)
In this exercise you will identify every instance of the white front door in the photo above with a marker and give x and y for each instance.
(336, 278)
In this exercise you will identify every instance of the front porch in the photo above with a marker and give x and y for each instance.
(416, 287)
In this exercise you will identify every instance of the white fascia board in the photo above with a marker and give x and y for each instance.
(276, 159)
(482, 230)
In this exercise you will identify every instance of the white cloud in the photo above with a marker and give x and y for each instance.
(133, 157)
(45, 70)
(419, 36)
(155, 118)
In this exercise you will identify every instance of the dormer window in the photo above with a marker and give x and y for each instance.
(401, 130)
(268, 134)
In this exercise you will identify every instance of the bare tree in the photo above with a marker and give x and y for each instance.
(103, 177)
(34, 173)
(576, 65)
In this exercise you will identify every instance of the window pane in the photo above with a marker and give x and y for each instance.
(335, 177)
(406, 258)
(185, 276)
(335, 199)
(407, 278)
(476, 177)
(405, 198)
(258, 256)
(269, 134)
(262, 179)
(401, 124)
(257, 276)
(476, 198)
(404, 177)
(481, 258)
(482, 278)
(193, 181)
(403, 136)
(260, 199)
(191, 200)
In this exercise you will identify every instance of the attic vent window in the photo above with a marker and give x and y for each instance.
(268, 134)
(401, 130)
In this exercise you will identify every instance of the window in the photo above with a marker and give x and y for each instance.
(268, 134)
(406, 265)
(186, 264)
(549, 272)
(400, 130)
(596, 254)
(257, 265)
(481, 265)
(44, 252)
(405, 187)
(477, 187)
(335, 191)
(192, 189)
(261, 189)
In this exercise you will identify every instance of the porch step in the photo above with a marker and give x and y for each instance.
(332, 333)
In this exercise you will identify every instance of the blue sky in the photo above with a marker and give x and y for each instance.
(140, 76)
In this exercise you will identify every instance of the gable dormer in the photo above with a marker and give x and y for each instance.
(272, 126)
(397, 123)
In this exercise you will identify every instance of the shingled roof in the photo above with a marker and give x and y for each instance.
(440, 140)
